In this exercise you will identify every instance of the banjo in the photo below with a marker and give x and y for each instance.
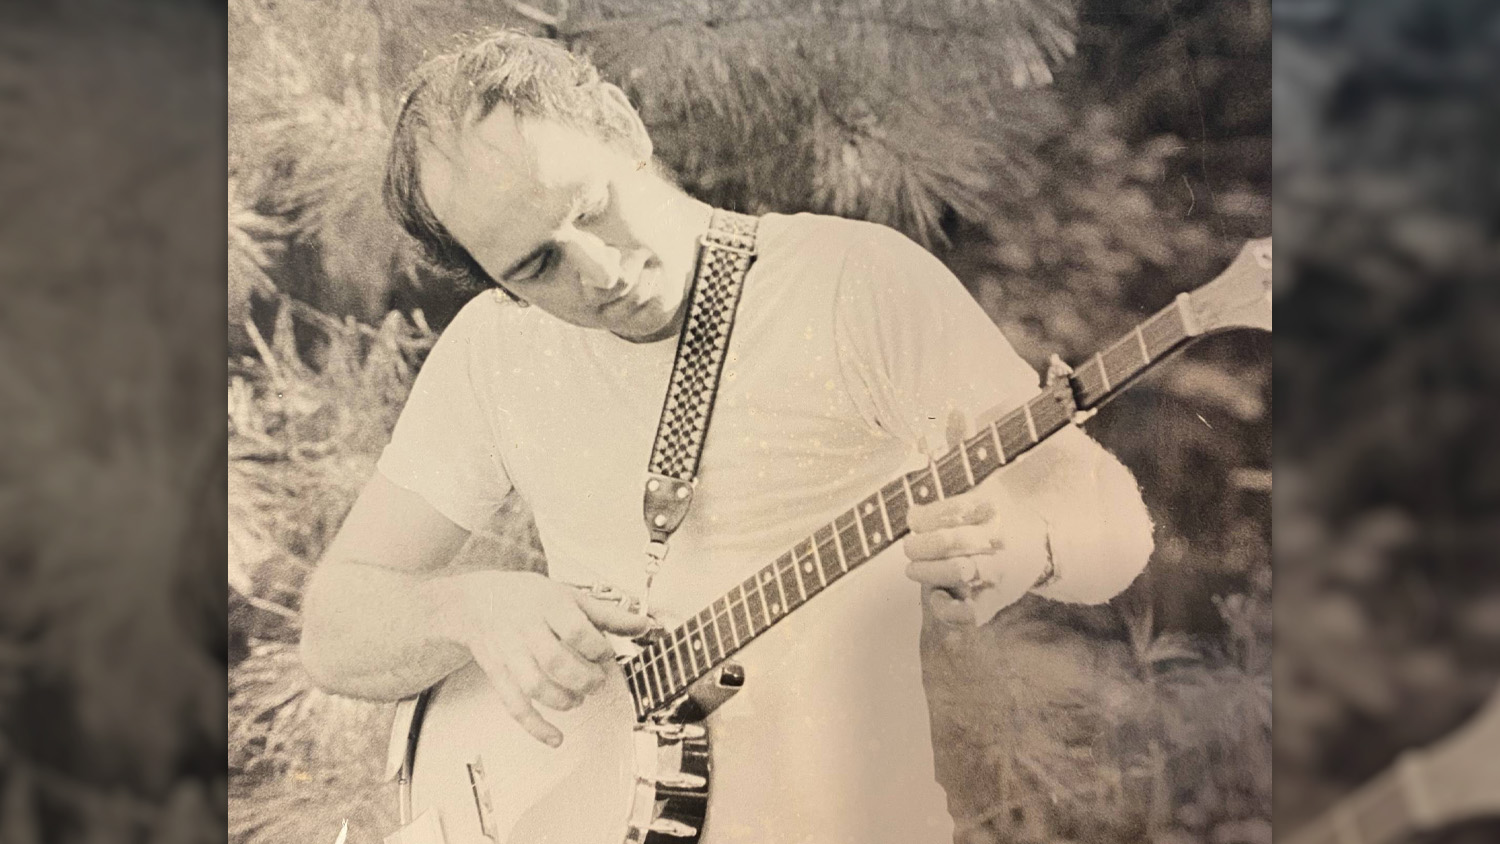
(1455, 779)
(638, 767)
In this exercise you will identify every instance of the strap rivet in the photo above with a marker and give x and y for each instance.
(682, 492)
(653, 485)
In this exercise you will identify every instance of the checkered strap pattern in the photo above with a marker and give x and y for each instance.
(726, 253)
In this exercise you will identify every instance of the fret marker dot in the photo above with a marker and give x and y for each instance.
(653, 485)
(659, 520)
(983, 453)
(682, 492)
(775, 608)
(922, 491)
(869, 508)
(807, 567)
(875, 538)
(698, 644)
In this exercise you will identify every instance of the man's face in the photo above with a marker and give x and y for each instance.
(564, 221)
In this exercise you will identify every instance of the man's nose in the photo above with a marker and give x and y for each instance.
(597, 263)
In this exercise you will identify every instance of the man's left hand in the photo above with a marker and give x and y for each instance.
(977, 552)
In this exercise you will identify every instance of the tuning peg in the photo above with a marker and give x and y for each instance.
(1057, 369)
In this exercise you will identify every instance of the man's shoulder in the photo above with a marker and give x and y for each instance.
(832, 233)
(479, 318)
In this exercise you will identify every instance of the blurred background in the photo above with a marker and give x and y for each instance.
(1387, 367)
(1077, 165)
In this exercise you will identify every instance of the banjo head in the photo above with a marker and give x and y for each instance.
(612, 780)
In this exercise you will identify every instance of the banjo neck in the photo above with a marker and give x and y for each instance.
(1454, 779)
(1380, 812)
(670, 663)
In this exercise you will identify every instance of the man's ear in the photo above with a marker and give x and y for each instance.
(639, 139)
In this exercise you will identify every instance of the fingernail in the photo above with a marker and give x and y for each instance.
(554, 741)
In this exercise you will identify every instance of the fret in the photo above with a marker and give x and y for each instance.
(1185, 313)
(838, 549)
(896, 503)
(876, 533)
(885, 518)
(828, 554)
(1030, 423)
(851, 539)
(648, 666)
(743, 632)
(864, 545)
(1012, 432)
(951, 475)
(775, 604)
(1145, 352)
(674, 673)
(1103, 370)
(1090, 382)
(755, 604)
(1120, 360)
(999, 446)
(1163, 333)
(809, 570)
(726, 626)
(632, 680)
(968, 467)
(704, 627)
(690, 669)
(786, 569)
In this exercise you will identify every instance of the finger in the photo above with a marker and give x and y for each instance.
(950, 512)
(952, 575)
(951, 610)
(612, 618)
(575, 630)
(966, 541)
(561, 664)
(515, 701)
(533, 682)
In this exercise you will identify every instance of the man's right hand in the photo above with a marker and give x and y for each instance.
(539, 641)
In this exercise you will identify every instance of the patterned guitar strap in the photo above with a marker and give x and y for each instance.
(725, 255)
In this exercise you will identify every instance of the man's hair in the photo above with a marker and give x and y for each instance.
(532, 76)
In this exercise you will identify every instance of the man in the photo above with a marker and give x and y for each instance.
(515, 164)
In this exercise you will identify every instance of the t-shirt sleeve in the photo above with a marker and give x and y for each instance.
(445, 444)
(915, 346)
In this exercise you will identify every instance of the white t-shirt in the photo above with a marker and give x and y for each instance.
(851, 344)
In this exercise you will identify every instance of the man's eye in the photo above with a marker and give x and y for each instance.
(538, 267)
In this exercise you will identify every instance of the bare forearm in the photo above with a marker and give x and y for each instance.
(380, 634)
(1100, 530)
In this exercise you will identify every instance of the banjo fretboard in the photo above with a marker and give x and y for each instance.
(664, 669)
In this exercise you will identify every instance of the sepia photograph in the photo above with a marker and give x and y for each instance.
(576, 348)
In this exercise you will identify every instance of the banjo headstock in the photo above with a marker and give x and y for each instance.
(1458, 777)
(1240, 297)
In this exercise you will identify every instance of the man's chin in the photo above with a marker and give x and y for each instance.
(646, 322)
